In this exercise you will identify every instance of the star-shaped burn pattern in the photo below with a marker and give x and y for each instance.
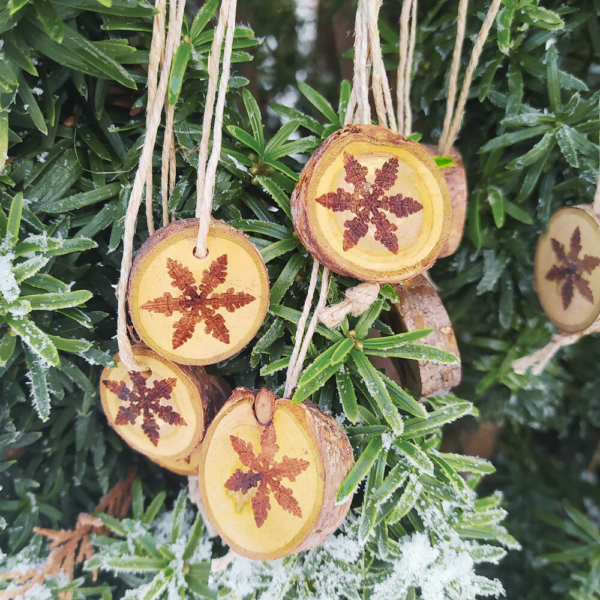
(145, 402)
(570, 269)
(197, 302)
(265, 473)
(369, 203)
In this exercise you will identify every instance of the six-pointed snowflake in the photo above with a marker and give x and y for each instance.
(265, 473)
(570, 269)
(369, 203)
(145, 402)
(197, 302)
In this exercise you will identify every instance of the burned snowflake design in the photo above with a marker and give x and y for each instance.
(369, 203)
(197, 303)
(145, 402)
(265, 473)
(570, 269)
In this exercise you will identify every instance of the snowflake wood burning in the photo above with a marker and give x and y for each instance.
(265, 473)
(369, 203)
(198, 303)
(145, 402)
(569, 270)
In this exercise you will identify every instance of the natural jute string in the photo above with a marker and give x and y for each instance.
(407, 47)
(454, 113)
(207, 171)
(367, 55)
(153, 119)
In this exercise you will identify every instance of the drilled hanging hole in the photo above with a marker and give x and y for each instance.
(200, 257)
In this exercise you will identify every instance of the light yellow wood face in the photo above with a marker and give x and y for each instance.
(577, 311)
(175, 441)
(231, 512)
(182, 466)
(419, 234)
(246, 277)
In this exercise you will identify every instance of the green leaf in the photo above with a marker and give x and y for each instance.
(567, 145)
(378, 391)
(81, 200)
(293, 114)
(178, 68)
(50, 19)
(541, 17)
(417, 352)
(474, 221)
(359, 471)
(255, 118)
(396, 477)
(57, 301)
(69, 345)
(276, 365)
(30, 267)
(30, 104)
(369, 510)
(416, 427)
(202, 18)
(403, 400)
(194, 538)
(504, 21)
(14, 219)
(278, 248)
(7, 347)
(496, 201)
(552, 77)
(322, 368)
(469, 464)
(443, 161)
(409, 497)
(516, 212)
(319, 103)
(509, 139)
(286, 278)
(394, 341)
(279, 138)
(38, 384)
(244, 137)
(3, 139)
(367, 319)
(347, 395)
(293, 315)
(415, 455)
(280, 197)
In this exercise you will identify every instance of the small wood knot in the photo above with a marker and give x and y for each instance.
(264, 406)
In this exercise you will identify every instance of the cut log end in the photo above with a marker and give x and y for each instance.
(160, 412)
(567, 268)
(372, 205)
(456, 178)
(269, 489)
(420, 307)
(198, 311)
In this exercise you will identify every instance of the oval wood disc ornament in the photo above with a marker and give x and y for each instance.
(269, 473)
(159, 412)
(456, 178)
(198, 311)
(420, 307)
(372, 205)
(567, 269)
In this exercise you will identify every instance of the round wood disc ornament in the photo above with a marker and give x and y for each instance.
(567, 268)
(456, 178)
(420, 307)
(269, 473)
(198, 311)
(372, 205)
(159, 412)
(218, 392)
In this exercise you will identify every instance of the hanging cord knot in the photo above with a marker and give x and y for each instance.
(358, 300)
(537, 361)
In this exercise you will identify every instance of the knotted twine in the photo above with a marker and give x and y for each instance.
(537, 361)
(456, 110)
(154, 108)
(368, 61)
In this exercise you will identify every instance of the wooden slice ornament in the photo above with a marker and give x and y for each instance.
(373, 205)
(160, 412)
(269, 472)
(420, 307)
(456, 179)
(198, 311)
(567, 268)
(218, 391)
